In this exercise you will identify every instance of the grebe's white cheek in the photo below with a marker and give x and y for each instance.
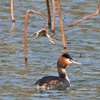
(68, 61)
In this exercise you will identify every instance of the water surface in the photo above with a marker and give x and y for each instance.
(83, 42)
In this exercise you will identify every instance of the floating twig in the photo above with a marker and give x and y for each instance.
(88, 16)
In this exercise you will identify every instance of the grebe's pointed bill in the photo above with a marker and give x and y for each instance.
(75, 62)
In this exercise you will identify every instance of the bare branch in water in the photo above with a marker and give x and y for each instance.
(42, 32)
(12, 10)
(61, 27)
(49, 13)
(88, 16)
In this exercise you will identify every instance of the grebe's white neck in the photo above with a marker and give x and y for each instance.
(63, 74)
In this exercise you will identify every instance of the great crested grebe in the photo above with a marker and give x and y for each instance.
(57, 82)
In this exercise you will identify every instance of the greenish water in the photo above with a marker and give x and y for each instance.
(17, 78)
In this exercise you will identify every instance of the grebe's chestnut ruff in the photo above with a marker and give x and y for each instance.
(57, 82)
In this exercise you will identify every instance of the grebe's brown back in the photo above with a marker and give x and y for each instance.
(57, 82)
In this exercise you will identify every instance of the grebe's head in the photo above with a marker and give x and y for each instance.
(65, 60)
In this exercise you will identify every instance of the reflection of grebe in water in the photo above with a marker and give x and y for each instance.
(57, 82)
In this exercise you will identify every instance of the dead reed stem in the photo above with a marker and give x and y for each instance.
(53, 16)
(25, 31)
(12, 10)
(61, 27)
(88, 16)
(49, 14)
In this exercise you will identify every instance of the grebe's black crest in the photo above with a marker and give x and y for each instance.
(67, 56)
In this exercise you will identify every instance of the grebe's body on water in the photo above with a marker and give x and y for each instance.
(57, 82)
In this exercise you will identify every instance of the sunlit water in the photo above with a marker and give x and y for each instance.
(83, 43)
